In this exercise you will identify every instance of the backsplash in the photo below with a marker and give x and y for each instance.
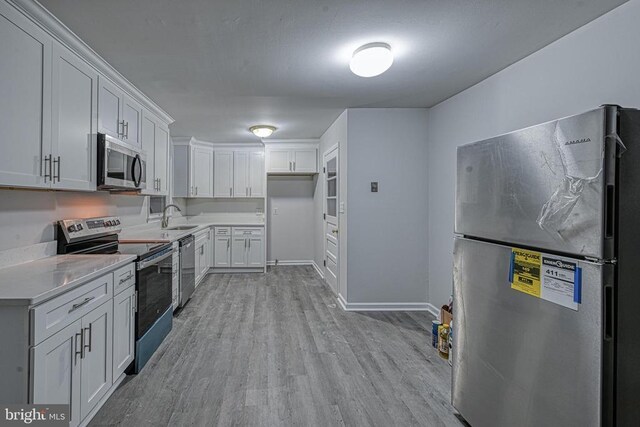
(28, 217)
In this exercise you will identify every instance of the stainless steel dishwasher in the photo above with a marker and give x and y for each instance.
(187, 268)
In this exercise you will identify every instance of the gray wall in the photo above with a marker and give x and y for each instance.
(596, 64)
(291, 231)
(28, 217)
(387, 231)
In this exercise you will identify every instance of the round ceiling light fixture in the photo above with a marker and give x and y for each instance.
(262, 131)
(371, 60)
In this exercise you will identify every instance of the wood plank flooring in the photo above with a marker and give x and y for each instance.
(276, 349)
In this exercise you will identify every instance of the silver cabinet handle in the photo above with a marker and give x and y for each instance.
(228, 243)
(56, 162)
(294, 166)
(74, 307)
(249, 244)
(230, 191)
(289, 166)
(121, 123)
(127, 130)
(159, 184)
(90, 336)
(250, 191)
(196, 190)
(246, 191)
(47, 159)
(126, 278)
(77, 352)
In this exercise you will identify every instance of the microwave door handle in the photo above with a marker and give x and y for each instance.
(136, 180)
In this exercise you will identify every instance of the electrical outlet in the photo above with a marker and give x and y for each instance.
(275, 211)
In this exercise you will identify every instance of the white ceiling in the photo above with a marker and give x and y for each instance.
(219, 67)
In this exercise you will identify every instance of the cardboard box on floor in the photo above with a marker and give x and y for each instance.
(445, 316)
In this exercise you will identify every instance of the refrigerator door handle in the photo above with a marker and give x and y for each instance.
(609, 312)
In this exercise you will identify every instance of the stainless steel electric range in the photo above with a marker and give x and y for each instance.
(154, 313)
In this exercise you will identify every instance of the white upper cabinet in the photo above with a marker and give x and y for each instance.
(155, 144)
(241, 174)
(223, 174)
(292, 160)
(110, 100)
(161, 161)
(278, 161)
(56, 96)
(74, 110)
(248, 174)
(25, 100)
(256, 174)
(201, 171)
(131, 121)
(305, 160)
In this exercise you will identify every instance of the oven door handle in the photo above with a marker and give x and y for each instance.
(144, 264)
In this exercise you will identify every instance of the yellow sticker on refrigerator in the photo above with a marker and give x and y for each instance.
(525, 271)
(549, 277)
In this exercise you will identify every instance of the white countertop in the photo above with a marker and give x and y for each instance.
(152, 233)
(37, 281)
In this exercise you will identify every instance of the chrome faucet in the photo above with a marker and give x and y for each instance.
(165, 220)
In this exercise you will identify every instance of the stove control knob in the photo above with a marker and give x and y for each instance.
(79, 227)
(117, 222)
(71, 228)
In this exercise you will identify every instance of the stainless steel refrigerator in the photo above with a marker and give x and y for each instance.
(547, 274)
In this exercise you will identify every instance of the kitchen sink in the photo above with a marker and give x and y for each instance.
(182, 227)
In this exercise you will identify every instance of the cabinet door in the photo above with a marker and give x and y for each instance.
(223, 174)
(256, 174)
(305, 160)
(239, 252)
(148, 142)
(255, 252)
(201, 172)
(161, 162)
(97, 367)
(222, 251)
(241, 174)
(56, 365)
(110, 100)
(75, 120)
(132, 117)
(278, 161)
(25, 100)
(123, 330)
(198, 265)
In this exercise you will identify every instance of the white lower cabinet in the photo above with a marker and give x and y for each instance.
(96, 372)
(56, 370)
(78, 364)
(222, 247)
(124, 338)
(203, 254)
(247, 247)
(74, 365)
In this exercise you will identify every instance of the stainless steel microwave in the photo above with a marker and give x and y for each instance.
(121, 166)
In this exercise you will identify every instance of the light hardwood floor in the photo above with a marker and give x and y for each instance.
(276, 349)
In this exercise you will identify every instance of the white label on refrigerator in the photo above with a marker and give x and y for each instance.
(561, 281)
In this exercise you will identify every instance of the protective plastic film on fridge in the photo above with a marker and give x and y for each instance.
(547, 274)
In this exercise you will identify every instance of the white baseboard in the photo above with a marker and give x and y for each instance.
(342, 301)
(433, 310)
(383, 306)
(292, 262)
(318, 269)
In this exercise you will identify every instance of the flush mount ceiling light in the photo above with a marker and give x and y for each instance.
(262, 131)
(371, 59)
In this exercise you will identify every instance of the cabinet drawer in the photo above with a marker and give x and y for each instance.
(123, 278)
(54, 315)
(223, 231)
(248, 231)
